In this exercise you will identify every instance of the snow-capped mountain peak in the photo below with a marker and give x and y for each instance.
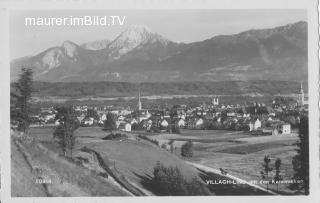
(133, 37)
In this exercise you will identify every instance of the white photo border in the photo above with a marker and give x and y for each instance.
(313, 78)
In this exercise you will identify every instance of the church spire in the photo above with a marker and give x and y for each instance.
(139, 102)
(301, 88)
(301, 95)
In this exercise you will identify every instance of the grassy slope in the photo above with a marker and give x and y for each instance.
(132, 158)
(135, 159)
(22, 179)
(68, 179)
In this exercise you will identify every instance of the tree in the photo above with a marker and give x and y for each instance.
(170, 181)
(300, 161)
(64, 132)
(110, 123)
(187, 149)
(277, 176)
(135, 126)
(20, 107)
(93, 114)
(266, 169)
(175, 129)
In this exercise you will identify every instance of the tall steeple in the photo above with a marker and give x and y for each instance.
(301, 95)
(139, 102)
(301, 88)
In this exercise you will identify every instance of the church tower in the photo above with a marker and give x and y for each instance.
(215, 101)
(139, 102)
(301, 95)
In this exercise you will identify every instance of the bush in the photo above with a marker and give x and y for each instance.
(164, 146)
(154, 129)
(148, 139)
(176, 130)
(116, 136)
(110, 123)
(170, 182)
(135, 126)
(187, 149)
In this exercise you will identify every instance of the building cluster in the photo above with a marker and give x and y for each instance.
(258, 118)
(277, 117)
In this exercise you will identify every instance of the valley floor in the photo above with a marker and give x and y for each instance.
(123, 168)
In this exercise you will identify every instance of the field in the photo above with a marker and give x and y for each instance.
(238, 152)
(108, 167)
(128, 165)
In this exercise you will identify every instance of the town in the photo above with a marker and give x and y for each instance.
(278, 117)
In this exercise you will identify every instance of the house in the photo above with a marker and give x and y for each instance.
(125, 127)
(103, 117)
(57, 122)
(257, 124)
(164, 123)
(231, 114)
(182, 116)
(148, 124)
(286, 129)
(121, 118)
(81, 117)
(181, 123)
(143, 115)
(88, 121)
(254, 125)
(49, 117)
(219, 119)
(133, 121)
(270, 131)
(199, 122)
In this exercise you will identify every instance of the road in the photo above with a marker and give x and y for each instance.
(216, 171)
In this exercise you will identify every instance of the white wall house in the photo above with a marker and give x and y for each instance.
(199, 122)
(286, 129)
(164, 123)
(181, 123)
(88, 121)
(254, 125)
(104, 117)
(125, 127)
(257, 124)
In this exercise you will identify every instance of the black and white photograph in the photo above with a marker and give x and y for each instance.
(161, 102)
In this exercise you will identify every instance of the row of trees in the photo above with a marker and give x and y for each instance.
(64, 132)
(20, 110)
(267, 169)
(226, 124)
(20, 96)
(300, 162)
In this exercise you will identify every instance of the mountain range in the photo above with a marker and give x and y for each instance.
(140, 55)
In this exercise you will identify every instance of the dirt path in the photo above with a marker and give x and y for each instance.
(218, 172)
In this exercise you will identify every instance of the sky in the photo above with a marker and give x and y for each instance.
(176, 25)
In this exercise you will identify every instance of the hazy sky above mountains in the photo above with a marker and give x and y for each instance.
(175, 25)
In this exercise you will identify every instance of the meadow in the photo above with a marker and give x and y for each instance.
(240, 153)
(129, 163)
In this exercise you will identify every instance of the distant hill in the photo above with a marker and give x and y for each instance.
(140, 55)
(125, 89)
